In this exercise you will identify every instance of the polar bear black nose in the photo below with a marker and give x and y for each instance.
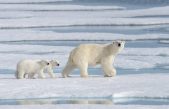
(119, 44)
(57, 64)
(47, 63)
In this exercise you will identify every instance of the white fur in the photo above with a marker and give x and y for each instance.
(92, 54)
(31, 67)
(48, 69)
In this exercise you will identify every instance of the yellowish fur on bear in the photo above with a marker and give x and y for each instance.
(86, 55)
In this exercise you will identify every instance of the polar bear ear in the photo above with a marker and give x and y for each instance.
(123, 42)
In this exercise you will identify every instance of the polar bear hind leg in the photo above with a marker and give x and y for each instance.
(31, 76)
(68, 69)
(20, 74)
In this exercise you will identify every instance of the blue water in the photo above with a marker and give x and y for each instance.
(88, 100)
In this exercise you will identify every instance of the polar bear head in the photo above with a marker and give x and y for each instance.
(43, 63)
(54, 63)
(116, 46)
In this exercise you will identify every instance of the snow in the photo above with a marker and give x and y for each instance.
(166, 67)
(23, 21)
(89, 18)
(136, 58)
(140, 62)
(29, 1)
(26, 7)
(36, 22)
(147, 52)
(154, 11)
(164, 41)
(143, 85)
(77, 87)
(149, 12)
(14, 35)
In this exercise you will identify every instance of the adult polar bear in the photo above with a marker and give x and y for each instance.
(92, 54)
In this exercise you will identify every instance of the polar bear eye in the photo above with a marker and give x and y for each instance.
(119, 44)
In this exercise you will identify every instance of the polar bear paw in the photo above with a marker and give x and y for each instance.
(84, 75)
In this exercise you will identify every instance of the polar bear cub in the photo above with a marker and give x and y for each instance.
(48, 69)
(93, 54)
(28, 66)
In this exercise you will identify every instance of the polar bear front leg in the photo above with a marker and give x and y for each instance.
(83, 70)
(41, 74)
(112, 72)
(51, 74)
(106, 64)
